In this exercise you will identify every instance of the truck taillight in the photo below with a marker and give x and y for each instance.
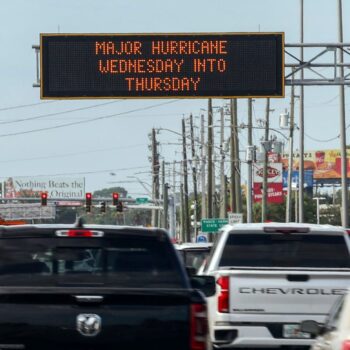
(223, 297)
(199, 327)
(346, 345)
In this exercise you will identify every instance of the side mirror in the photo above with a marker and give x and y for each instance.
(206, 284)
(310, 326)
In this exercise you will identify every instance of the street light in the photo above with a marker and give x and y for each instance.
(317, 199)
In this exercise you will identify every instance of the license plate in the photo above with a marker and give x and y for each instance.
(293, 331)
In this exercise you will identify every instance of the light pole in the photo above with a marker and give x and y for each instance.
(317, 199)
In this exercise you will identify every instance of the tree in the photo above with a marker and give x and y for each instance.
(65, 215)
(107, 192)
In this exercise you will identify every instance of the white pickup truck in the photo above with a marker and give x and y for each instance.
(270, 277)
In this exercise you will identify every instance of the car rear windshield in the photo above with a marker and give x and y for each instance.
(123, 261)
(285, 250)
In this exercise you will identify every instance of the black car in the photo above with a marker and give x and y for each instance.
(95, 287)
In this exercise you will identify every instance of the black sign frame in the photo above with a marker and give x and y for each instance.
(214, 65)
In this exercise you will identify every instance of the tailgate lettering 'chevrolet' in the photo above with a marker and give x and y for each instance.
(302, 291)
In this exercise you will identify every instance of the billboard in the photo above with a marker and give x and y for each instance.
(326, 164)
(56, 188)
(26, 211)
(308, 178)
(274, 193)
(274, 183)
(274, 173)
(162, 65)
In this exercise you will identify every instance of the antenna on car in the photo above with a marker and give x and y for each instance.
(80, 222)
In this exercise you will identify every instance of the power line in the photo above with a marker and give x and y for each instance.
(84, 172)
(24, 106)
(319, 140)
(69, 154)
(57, 113)
(88, 121)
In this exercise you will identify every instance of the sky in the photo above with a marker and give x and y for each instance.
(109, 151)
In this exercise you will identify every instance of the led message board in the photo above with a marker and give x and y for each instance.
(162, 65)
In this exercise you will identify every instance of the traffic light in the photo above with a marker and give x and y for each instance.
(88, 201)
(103, 207)
(193, 214)
(115, 197)
(120, 207)
(43, 197)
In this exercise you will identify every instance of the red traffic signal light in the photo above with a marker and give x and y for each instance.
(43, 198)
(88, 199)
(115, 197)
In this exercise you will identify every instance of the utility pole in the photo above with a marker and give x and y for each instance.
(343, 152)
(290, 158)
(301, 120)
(265, 182)
(237, 163)
(186, 206)
(223, 189)
(165, 205)
(173, 213)
(165, 187)
(250, 163)
(155, 177)
(194, 177)
(161, 214)
(182, 214)
(233, 163)
(203, 151)
(210, 164)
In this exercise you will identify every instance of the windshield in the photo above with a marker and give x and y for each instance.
(195, 258)
(123, 261)
(286, 250)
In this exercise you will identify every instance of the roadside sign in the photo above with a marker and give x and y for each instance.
(167, 65)
(141, 200)
(27, 211)
(235, 218)
(202, 239)
(213, 225)
(68, 203)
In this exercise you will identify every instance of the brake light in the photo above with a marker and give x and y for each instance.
(223, 297)
(346, 345)
(271, 229)
(199, 327)
(79, 233)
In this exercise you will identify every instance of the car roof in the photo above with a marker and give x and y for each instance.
(193, 246)
(261, 226)
(48, 230)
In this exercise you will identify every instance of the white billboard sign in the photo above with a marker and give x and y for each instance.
(56, 188)
(274, 173)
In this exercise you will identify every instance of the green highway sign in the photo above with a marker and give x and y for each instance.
(213, 225)
(141, 200)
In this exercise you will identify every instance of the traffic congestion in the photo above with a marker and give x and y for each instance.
(174, 175)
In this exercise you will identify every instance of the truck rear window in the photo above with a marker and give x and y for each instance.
(125, 261)
(285, 250)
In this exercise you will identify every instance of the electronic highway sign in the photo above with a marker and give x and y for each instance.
(162, 65)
